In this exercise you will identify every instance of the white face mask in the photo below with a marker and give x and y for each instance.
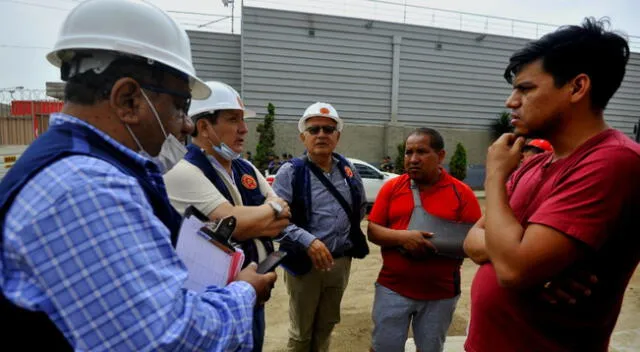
(171, 152)
(224, 150)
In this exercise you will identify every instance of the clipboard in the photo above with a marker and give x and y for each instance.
(204, 248)
(449, 235)
(193, 211)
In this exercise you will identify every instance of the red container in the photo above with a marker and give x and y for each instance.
(28, 107)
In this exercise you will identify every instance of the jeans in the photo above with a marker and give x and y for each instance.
(392, 314)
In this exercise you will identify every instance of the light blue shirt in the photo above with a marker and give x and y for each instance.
(82, 244)
(329, 222)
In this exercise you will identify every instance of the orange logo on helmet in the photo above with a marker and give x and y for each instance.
(347, 170)
(325, 111)
(240, 102)
(249, 182)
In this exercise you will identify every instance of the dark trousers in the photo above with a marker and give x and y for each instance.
(258, 328)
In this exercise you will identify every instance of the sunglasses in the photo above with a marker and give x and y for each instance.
(313, 130)
(182, 103)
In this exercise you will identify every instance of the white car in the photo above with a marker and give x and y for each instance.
(372, 178)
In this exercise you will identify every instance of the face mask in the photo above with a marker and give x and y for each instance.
(224, 150)
(171, 151)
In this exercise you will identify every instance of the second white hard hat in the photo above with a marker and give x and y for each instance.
(133, 27)
(320, 110)
(223, 97)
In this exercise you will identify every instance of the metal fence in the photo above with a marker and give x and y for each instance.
(24, 115)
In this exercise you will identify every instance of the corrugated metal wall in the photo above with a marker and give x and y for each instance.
(449, 77)
(446, 78)
(19, 130)
(623, 110)
(216, 56)
(285, 64)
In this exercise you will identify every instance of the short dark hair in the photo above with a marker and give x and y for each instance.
(211, 117)
(571, 50)
(435, 138)
(89, 88)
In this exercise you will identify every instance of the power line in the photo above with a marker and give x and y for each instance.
(196, 13)
(212, 22)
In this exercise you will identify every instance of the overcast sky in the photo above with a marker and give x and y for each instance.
(29, 27)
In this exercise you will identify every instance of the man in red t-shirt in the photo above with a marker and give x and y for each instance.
(575, 209)
(416, 285)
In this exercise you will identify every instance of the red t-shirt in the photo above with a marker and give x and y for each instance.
(593, 196)
(434, 277)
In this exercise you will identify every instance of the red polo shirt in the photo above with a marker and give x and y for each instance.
(434, 277)
(593, 196)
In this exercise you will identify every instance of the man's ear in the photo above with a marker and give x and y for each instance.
(302, 137)
(338, 137)
(580, 87)
(127, 101)
(201, 126)
(441, 155)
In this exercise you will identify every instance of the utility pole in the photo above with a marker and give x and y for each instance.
(233, 6)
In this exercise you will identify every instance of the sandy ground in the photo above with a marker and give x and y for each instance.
(354, 331)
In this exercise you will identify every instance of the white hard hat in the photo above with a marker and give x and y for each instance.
(132, 27)
(223, 97)
(322, 110)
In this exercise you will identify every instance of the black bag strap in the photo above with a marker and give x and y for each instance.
(331, 188)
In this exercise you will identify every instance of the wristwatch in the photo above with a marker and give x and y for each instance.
(277, 208)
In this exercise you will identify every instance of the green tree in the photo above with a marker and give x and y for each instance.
(458, 163)
(266, 141)
(399, 164)
(501, 125)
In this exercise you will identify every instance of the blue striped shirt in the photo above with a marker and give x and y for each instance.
(82, 244)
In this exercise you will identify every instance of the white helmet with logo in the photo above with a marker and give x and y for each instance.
(125, 27)
(223, 97)
(322, 110)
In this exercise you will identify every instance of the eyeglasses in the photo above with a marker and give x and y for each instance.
(185, 98)
(313, 130)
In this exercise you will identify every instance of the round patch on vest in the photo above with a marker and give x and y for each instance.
(347, 170)
(249, 182)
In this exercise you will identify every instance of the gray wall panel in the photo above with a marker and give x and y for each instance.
(216, 56)
(285, 65)
(448, 79)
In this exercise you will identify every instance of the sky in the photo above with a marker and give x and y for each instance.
(29, 27)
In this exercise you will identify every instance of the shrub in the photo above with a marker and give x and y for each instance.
(458, 163)
(501, 125)
(399, 163)
(266, 141)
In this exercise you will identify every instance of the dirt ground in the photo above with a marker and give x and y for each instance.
(354, 331)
